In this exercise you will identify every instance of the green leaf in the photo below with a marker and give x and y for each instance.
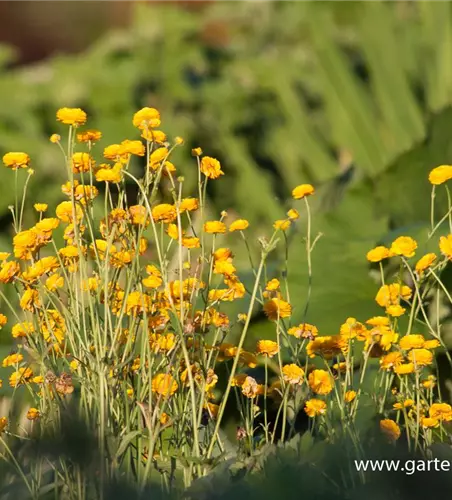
(126, 440)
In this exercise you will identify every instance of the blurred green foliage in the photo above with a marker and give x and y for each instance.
(353, 97)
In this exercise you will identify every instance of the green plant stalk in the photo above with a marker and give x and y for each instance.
(237, 356)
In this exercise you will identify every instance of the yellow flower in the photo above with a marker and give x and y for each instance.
(404, 245)
(33, 414)
(3, 320)
(390, 429)
(55, 138)
(353, 328)
(164, 213)
(430, 383)
(293, 374)
(65, 211)
(277, 308)
(405, 404)
(146, 118)
(382, 338)
(40, 207)
(101, 248)
(441, 411)
(420, 357)
(191, 242)
(404, 368)
(9, 271)
(54, 282)
(85, 194)
(157, 157)
(327, 346)
(242, 317)
(267, 348)
(320, 382)
(412, 341)
(389, 295)
(395, 310)
(22, 329)
(272, 285)
(239, 225)
(47, 225)
(74, 364)
(164, 419)
(21, 376)
(224, 267)
(440, 174)
(152, 281)
(315, 407)
(425, 262)
(214, 227)
(110, 174)
(12, 359)
(164, 384)
(293, 214)
(115, 152)
(445, 245)
(349, 396)
(29, 300)
(173, 231)
(188, 204)
(196, 151)
(90, 285)
(40, 267)
(223, 254)
(377, 254)
(429, 422)
(25, 244)
(71, 116)
(3, 424)
(89, 136)
(391, 360)
(16, 160)
(168, 168)
(157, 136)
(82, 162)
(211, 167)
(431, 344)
(302, 191)
(162, 343)
(282, 224)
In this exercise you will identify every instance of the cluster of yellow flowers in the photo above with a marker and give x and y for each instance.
(133, 298)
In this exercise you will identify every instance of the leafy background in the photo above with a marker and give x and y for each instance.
(355, 98)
